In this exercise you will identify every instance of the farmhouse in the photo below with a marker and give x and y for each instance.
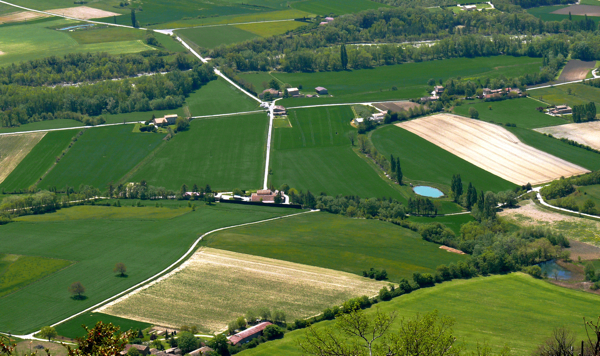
(323, 23)
(469, 7)
(143, 349)
(173, 351)
(438, 90)
(201, 351)
(329, 19)
(560, 110)
(293, 91)
(274, 93)
(321, 91)
(279, 110)
(166, 120)
(359, 120)
(265, 196)
(378, 117)
(428, 98)
(248, 334)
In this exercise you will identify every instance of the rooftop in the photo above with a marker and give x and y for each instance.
(235, 339)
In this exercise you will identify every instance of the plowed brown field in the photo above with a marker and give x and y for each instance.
(83, 12)
(492, 148)
(13, 148)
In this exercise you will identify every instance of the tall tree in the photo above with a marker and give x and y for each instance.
(457, 188)
(344, 56)
(393, 163)
(133, 19)
(77, 289)
(399, 174)
(184, 189)
(120, 269)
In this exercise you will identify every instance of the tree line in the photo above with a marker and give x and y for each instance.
(584, 112)
(90, 67)
(22, 104)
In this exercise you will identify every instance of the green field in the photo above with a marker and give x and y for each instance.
(411, 79)
(219, 97)
(583, 194)
(211, 37)
(72, 328)
(337, 7)
(101, 155)
(226, 153)
(521, 112)
(545, 13)
(454, 222)
(43, 125)
(109, 34)
(17, 271)
(35, 40)
(485, 311)
(38, 161)
(315, 154)
(336, 242)
(579, 156)
(424, 162)
(146, 246)
(271, 28)
(559, 95)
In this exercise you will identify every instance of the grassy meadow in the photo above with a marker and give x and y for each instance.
(96, 244)
(521, 112)
(271, 28)
(43, 125)
(559, 95)
(211, 37)
(336, 7)
(315, 154)
(36, 40)
(454, 222)
(219, 97)
(110, 34)
(545, 13)
(579, 156)
(411, 78)
(14, 148)
(484, 311)
(73, 328)
(424, 162)
(226, 153)
(38, 161)
(336, 242)
(100, 156)
(17, 271)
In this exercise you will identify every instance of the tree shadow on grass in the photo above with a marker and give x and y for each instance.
(122, 275)
(79, 297)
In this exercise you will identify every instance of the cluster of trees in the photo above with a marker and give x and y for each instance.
(378, 275)
(422, 206)
(584, 112)
(22, 104)
(562, 191)
(89, 67)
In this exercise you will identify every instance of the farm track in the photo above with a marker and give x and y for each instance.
(492, 148)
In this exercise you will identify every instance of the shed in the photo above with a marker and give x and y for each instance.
(171, 119)
(321, 91)
(279, 110)
(143, 349)
(160, 121)
(293, 91)
(329, 19)
(249, 334)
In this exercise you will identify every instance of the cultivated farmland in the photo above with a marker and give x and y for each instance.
(210, 37)
(315, 154)
(336, 7)
(587, 133)
(83, 12)
(570, 94)
(38, 161)
(485, 311)
(336, 242)
(91, 161)
(425, 163)
(298, 290)
(492, 148)
(271, 28)
(581, 10)
(576, 69)
(72, 328)
(396, 106)
(18, 271)
(14, 148)
(97, 244)
(219, 97)
(226, 153)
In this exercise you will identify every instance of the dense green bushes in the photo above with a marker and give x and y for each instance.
(558, 189)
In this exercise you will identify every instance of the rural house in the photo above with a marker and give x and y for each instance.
(560, 110)
(201, 351)
(248, 334)
(279, 110)
(321, 91)
(143, 349)
(378, 117)
(323, 23)
(329, 19)
(166, 120)
(264, 195)
(173, 351)
(171, 119)
(438, 90)
(293, 91)
(468, 7)
(274, 93)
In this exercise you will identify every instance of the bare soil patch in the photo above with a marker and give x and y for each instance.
(492, 148)
(13, 148)
(396, 106)
(214, 287)
(1, 53)
(587, 133)
(83, 12)
(453, 250)
(584, 234)
(576, 69)
(590, 10)
(21, 16)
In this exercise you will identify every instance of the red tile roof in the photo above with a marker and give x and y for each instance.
(239, 337)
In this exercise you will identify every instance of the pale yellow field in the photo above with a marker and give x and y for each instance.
(271, 28)
(492, 148)
(216, 286)
(587, 133)
(21, 16)
(83, 12)
(13, 148)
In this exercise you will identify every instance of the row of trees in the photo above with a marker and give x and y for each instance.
(584, 112)
(21, 104)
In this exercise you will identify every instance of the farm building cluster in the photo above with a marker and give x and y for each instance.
(146, 350)
(326, 21)
(292, 93)
(165, 120)
(499, 93)
(560, 110)
(377, 117)
(249, 334)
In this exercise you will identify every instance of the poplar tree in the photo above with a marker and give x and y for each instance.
(344, 56)
(133, 19)
(399, 171)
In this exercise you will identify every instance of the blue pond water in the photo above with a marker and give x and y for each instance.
(553, 270)
(428, 191)
(78, 26)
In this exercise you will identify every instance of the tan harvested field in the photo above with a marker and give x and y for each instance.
(214, 287)
(587, 133)
(83, 12)
(21, 16)
(13, 148)
(396, 106)
(576, 69)
(492, 148)
(575, 229)
(590, 10)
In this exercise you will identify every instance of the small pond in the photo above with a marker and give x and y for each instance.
(428, 191)
(553, 270)
(75, 27)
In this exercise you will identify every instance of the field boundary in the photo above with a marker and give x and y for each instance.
(175, 264)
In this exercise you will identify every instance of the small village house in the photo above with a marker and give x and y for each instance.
(321, 91)
(438, 90)
(166, 120)
(559, 110)
(293, 91)
(329, 19)
(274, 93)
(279, 110)
(143, 349)
(469, 7)
(323, 23)
(379, 117)
(264, 195)
(201, 351)
(249, 334)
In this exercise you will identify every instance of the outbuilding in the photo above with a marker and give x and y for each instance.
(249, 334)
(293, 91)
(321, 91)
